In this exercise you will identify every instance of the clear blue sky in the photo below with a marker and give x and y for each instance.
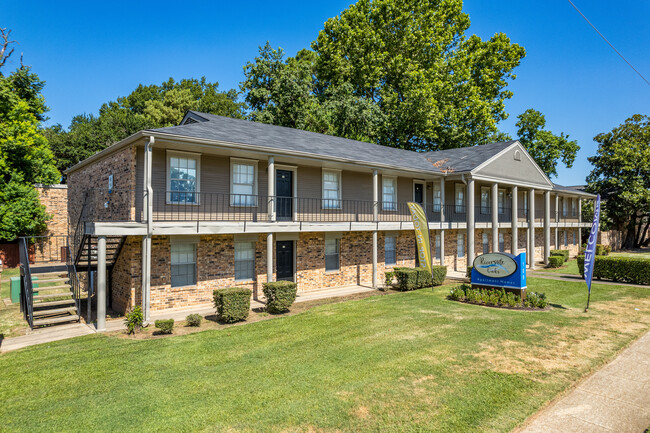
(93, 52)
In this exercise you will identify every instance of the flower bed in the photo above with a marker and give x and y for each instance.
(497, 298)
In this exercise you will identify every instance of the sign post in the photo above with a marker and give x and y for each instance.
(590, 251)
(421, 226)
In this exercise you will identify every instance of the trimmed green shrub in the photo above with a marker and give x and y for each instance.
(388, 278)
(458, 293)
(603, 250)
(414, 278)
(555, 261)
(166, 326)
(134, 320)
(563, 253)
(535, 300)
(511, 300)
(469, 272)
(232, 304)
(438, 275)
(280, 295)
(634, 270)
(193, 320)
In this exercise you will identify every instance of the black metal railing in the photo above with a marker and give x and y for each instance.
(73, 277)
(47, 249)
(26, 288)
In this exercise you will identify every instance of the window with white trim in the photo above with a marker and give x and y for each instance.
(243, 189)
(389, 193)
(438, 247)
(332, 253)
(437, 197)
(331, 189)
(183, 264)
(574, 212)
(460, 197)
(461, 245)
(502, 243)
(182, 178)
(566, 239)
(486, 243)
(485, 200)
(244, 261)
(502, 201)
(564, 206)
(390, 254)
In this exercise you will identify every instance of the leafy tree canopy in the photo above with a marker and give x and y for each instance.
(621, 175)
(25, 156)
(546, 148)
(400, 73)
(152, 106)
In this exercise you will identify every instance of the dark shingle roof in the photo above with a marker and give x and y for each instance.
(576, 189)
(245, 132)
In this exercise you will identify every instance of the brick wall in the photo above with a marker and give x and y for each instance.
(122, 165)
(55, 200)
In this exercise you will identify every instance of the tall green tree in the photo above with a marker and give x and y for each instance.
(546, 148)
(25, 156)
(621, 175)
(423, 84)
(151, 106)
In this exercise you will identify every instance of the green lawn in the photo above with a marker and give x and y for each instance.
(11, 319)
(570, 267)
(408, 362)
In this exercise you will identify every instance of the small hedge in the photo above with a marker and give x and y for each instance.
(624, 269)
(562, 253)
(439, 274)
(496, 297)
(416, 278)
(280, 295)
(555, 261)
(166, 326)
(193, 320)
(603, 250)
(232, 304)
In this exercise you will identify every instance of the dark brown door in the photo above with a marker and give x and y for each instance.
(418, 193)
(284, 260)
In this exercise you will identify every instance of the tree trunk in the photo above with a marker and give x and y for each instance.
(628, 244)
(640, 241)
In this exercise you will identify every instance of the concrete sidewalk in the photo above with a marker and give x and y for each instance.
(62, 332)
(614, 399)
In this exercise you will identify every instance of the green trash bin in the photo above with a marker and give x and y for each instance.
(15, 288)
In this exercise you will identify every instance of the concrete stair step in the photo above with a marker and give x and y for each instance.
(51, 296)
(56, 320)
(51, 280)
(55, 311)
(59, 287)
(54, 303)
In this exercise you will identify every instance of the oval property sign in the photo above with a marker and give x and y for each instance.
(495, 265)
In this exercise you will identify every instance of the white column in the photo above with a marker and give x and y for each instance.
(442, 221)
(557, 209)
(547, 225)
(146, 239)
(514, 223)
(531, 228)
(495, 217)
(470, 221)
(580, 210)
(269, 257)
(101, 283)
(271, 188)
(375, 211)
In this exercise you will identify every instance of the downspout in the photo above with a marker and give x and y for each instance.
(147, 210)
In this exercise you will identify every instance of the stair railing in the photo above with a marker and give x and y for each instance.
(75, 284)
(26, 288)
(80, 230)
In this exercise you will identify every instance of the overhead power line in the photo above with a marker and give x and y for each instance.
(609, 43)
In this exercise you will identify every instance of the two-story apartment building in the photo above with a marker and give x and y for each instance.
(168, 215)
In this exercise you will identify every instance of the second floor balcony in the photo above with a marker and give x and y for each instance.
(186, 206)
